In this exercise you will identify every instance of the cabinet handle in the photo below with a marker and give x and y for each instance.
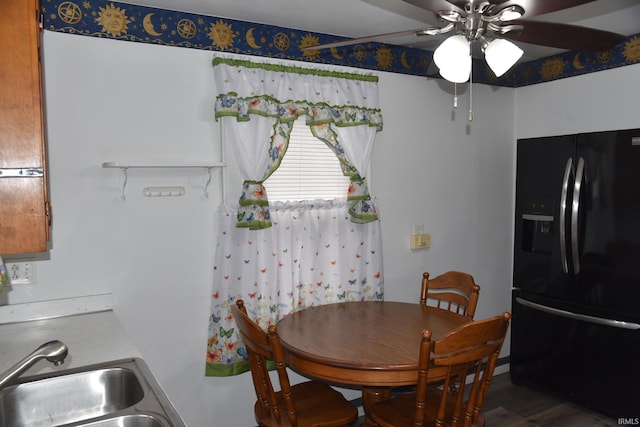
(21, 172)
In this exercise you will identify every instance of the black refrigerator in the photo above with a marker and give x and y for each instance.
(575, 330)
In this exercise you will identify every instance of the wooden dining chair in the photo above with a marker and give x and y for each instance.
(454, 291)
(471, 351)
(310, 403)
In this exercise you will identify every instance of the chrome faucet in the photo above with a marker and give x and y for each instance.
(54, 351)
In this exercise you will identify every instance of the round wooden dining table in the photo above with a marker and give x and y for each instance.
(371, 344)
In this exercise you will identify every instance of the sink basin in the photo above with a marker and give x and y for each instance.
(127, 421)
(69, 398)
(121, 393)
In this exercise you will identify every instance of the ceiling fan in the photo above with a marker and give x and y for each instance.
(493, 24)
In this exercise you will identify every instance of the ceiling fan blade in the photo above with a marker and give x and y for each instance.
(564, 36)
(539, 7)
(417, 33)
(438, 5)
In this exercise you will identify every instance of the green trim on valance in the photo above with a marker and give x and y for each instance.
(295, 70)
(231, 105)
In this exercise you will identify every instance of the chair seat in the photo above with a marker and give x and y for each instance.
(395, 412)
(317, 405)
(399, 411)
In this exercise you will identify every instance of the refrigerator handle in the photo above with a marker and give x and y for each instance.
(563, 213)
(582, 317)
(575, 210)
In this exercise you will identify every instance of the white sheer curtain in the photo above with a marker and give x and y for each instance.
(282, 257)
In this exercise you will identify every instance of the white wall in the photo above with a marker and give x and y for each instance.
(607, 100)
(432, 166)
(121, 101)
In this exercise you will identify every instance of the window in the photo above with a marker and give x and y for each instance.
(309, 170)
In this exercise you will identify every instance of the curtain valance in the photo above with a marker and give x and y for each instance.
(264, 100)
(248, 79)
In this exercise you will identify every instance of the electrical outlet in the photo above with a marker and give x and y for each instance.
(22, 273)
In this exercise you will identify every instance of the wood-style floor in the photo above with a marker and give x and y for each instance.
(509, 405)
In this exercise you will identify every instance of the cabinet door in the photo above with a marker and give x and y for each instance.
(24, 223)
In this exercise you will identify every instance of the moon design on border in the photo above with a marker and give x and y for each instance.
(334, 53)
(576, 62)
(403, 60)
(251, 40)
(148, 25)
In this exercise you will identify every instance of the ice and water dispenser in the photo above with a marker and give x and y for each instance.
(537, 233)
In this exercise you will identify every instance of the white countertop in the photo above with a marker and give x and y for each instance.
(91, 337)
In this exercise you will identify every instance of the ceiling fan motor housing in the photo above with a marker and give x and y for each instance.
(480, 17)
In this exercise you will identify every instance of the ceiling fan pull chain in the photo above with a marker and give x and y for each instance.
(455, 95)
(471, 95)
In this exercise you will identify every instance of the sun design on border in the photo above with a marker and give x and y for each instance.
(309, 40)
(384, 57)
(114, 21)
(221, 34)
(632, 50)
(552, 68)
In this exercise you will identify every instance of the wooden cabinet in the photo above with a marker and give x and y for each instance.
(24, 206)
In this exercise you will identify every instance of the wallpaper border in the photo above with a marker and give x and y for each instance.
(122, 21)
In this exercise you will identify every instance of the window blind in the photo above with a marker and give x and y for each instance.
(309, 170)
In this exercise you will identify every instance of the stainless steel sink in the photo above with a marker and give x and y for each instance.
(121, 393)
(127, 421)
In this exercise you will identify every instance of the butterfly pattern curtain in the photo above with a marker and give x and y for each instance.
(282, 257)
(263, 101)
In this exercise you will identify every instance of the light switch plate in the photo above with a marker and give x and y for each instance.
(420, 241)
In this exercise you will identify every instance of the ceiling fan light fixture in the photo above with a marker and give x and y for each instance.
(458, 74)
(501, 55)
(453, 58)
(451, 51)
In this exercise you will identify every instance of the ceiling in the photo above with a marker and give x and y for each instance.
(360, 18)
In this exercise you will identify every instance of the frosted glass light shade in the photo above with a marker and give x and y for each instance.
(458, 73)
(501, 55)
(453, 58)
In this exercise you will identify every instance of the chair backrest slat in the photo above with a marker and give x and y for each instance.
(454, 291)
